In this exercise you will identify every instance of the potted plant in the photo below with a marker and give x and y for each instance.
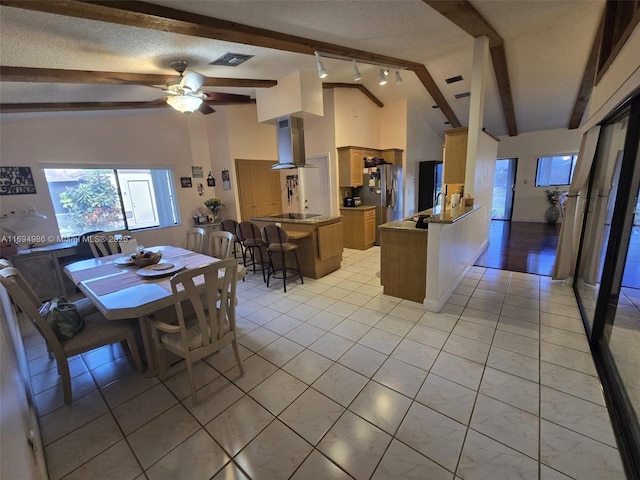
(552, 213)
(214, 205)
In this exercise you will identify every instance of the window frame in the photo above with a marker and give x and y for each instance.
(550, 157)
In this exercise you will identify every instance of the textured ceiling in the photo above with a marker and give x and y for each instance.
(546, 43)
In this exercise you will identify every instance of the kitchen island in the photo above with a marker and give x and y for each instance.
(426, 265)
(319, 239)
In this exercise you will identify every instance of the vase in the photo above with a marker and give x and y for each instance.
(552, 214)
(216, 216)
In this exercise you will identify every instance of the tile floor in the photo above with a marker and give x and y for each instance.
(343, 382)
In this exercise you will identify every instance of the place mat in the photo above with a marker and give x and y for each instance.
(93, 272)
(113, 283)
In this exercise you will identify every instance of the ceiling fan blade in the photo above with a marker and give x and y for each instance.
(131, 82)
(205, 109)
(192, 80)
(227, 98)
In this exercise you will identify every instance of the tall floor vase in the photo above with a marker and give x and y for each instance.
(552, 214)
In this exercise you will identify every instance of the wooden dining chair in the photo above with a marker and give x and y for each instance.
(203, 323)
(108, 243)
(220, 245)
(96, 332)
(195, 239)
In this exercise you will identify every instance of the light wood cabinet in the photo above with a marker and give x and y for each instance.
(454, 155)
(392, 156)
(359, 227)
(258, 188)
(350, 163)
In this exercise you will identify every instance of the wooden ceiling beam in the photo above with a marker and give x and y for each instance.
(77, 106)
(52, 75)
(357, 86)
(156, 17)
(427, 80)
(465, 16)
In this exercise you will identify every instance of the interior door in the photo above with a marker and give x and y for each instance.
(315, 186)
(258, 188)
(504, 186)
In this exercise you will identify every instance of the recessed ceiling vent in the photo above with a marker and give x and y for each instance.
(462, 95)
(231, 60)
(457, 78)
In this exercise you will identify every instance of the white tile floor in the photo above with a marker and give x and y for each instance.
(342, 381)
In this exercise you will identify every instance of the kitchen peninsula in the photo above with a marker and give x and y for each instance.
(425, 265)
(319, 239)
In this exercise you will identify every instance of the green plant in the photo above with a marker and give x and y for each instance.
(93, 203)
(213, 203)
(553, 196)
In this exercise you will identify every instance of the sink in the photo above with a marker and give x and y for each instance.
(295, 216)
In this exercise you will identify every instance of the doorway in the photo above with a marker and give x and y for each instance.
(504, 186)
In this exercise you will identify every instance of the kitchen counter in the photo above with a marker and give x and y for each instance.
(319, 239)
(448, 216)
(361, 207)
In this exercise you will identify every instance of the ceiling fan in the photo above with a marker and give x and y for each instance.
(184, 94)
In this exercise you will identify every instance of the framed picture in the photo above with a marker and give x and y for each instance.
(185, 182)
(196, 172)
(16, 181)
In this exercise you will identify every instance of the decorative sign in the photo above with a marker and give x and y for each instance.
(211, 182)
(16, 181)
(196, 172)
(226, 183)
(185, 182)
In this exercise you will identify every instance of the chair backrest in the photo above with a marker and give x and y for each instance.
(195, 237)
(108, 243)
(24, 297)
(247, 230)
(218, 290)
(220, 245)
(274, 234)
(229, 226)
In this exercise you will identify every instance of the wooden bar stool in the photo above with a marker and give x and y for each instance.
(277, 241)
(249, 235)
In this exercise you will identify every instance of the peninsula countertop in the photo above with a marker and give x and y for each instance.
(448, 216)
(311, 219)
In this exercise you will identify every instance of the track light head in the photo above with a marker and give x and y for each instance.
(398, 77)
(322, 72)
(383, 76)
(356, 73)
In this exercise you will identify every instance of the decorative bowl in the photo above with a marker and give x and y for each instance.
(144, 259)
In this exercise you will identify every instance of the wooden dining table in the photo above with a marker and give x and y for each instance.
(120, 292)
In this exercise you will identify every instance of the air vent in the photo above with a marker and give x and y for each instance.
(457, 78)
(462, 95)
(231, 60)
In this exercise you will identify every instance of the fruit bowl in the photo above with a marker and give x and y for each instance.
(146, 258)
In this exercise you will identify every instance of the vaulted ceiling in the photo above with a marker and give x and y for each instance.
(68, 55)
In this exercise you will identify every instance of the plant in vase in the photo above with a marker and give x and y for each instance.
(214, 205)
(552, 213)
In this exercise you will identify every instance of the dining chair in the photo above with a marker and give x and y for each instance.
(96, 332)
(277, 241)
(220, 245)
(249, 234)
(202, 324)
(231, 226)
(108, 243)
(195, 239)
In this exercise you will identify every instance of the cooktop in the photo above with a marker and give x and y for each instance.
(296, 216)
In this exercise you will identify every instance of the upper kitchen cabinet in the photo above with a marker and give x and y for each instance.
(392, 156)
(351, 164)
(455, 155)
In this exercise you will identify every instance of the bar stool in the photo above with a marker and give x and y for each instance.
(231, 226)
(249, 235)
(277, 241)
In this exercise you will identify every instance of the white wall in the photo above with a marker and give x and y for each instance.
(357, 119)
(530, 202)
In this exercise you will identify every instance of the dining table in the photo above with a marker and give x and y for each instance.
(121, 290)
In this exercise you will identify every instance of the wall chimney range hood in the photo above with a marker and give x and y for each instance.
(290, 143)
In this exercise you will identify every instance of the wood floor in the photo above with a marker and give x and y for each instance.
(528, 247)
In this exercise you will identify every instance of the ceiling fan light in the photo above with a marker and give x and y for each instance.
(185, 103)
(322, 72)
(383, 76)
(356, 73)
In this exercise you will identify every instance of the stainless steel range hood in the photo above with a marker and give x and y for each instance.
(290, 143)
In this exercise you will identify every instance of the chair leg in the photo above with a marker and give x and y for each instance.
(63, 371)
(192, 380)
(270, 268)
(133, 348)
(295, 254)
(261, 263)
(160, 360)
(284, 271)
(236, 353)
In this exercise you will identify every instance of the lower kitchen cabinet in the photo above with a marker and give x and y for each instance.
(359, 225)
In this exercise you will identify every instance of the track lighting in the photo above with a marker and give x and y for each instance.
(322, 72)
(356, 73)
(383, 76)
(398, 77)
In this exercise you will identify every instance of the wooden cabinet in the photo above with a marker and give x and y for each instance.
(351, 162)
(258, 188)
(359, 227)
(454, 155)
(41, 271)
(350, 166)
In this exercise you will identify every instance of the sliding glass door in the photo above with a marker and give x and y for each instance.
(504, 188)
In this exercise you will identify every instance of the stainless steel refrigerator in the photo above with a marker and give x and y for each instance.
(382, 187)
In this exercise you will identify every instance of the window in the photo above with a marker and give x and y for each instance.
(87, 200)
(555, 170)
